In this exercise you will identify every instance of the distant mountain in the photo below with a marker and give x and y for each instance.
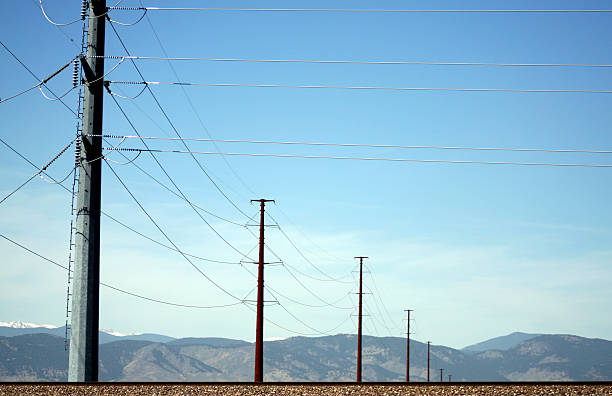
(12, 329)
(41, 357)
(502, 343)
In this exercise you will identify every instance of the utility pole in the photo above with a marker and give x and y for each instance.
(441, 375)
(449, 377)
(83, 359)
(360, 315)
(428, 344)
(408, 347)
(260, 296)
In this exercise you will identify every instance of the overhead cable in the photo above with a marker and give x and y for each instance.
(174, 127)
(39, 84)
(378, 159)
(367, 88)
(193, 107)
(36, 77)
(116, 288)
(394, 146)
(62, 151)
(170, 240)
(359, 62)
(360, 10)
(55, 181)
(163, 169)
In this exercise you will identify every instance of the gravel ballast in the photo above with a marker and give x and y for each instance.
(108, 389)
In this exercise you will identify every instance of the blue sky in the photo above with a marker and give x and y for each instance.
(476, 250)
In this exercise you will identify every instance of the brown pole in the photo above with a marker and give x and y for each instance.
(408, 347)
(428, 344)
(260, 297)
(360, 315)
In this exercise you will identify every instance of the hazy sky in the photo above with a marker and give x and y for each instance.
(477, 251)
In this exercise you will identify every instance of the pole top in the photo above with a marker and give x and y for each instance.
(361, 257)
(262, 200)
(408, 310)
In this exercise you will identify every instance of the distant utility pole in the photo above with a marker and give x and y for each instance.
(83, 359)
(360, 315)
(428, 344)
(260, 296)
(441, 375)
(449, 377)
(408, 347)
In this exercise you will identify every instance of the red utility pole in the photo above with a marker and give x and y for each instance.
(260, 296)
(428, 344)
(408, 347)
(360, 315)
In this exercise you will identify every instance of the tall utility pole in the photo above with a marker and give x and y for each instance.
(260, 296)
(83, 360)
(441, 375)
(360, 316)
(428, 344)
(408, 347)
(449, 377)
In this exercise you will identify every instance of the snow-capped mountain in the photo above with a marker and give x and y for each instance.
(26, 325)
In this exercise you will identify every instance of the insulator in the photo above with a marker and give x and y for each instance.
(84, 8)
(75, 73)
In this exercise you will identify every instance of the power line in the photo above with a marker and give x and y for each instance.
(395, 146)
(358, 62)
(36, 77)
(193, 108)
(174, 128)
(367, 88)
(55, 181)
(43, 82)
(174, 183)
(62, 151)
(168, 238)
(357, 10)
(116, 288)
(377, 158)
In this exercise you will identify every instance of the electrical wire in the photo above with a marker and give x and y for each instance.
(394, 146)
(359, 62)
(193, 107)
(359, 10)
(113, 218)
(36, 77)
(173, 126)
(379, 159)
(168, 238)
(42, 8)
(175, 185)
(62, 151)
(116, 288)
(128, 24)
(287, 266)
(367, 88)
(55, 73)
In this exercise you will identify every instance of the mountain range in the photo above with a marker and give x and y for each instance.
(38, 354)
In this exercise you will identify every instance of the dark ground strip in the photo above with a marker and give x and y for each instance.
(377, 389)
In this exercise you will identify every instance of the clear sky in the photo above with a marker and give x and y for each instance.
(477, 251)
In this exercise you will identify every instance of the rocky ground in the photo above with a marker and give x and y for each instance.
(303, 390)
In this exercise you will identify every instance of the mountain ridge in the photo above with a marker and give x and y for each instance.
(41, 357)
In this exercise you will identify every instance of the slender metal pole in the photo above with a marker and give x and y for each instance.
(258, 377)
(359, 333)
(441, 375)
(428, 344)
(449, 377)
(408, 347)
(83, 358)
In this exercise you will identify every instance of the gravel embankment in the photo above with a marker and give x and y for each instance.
(301, 390)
